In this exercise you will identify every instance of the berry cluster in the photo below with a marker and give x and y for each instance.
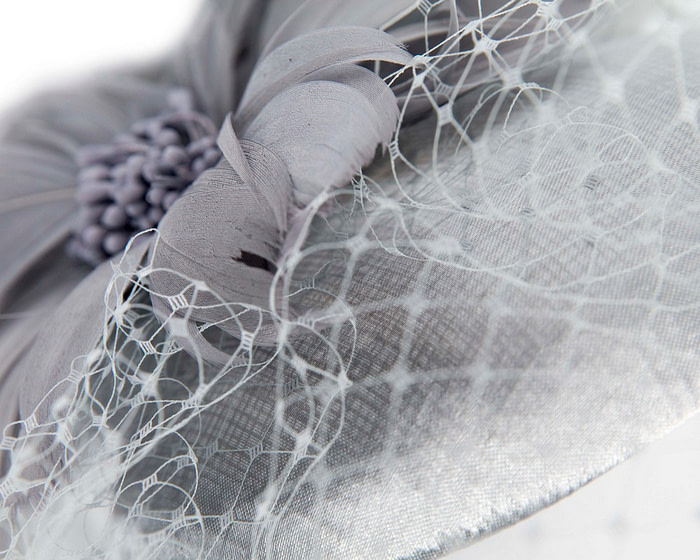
(126, 187)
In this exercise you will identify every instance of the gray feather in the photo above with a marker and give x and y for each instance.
(316, 14)
(307, 141)
(294, 61)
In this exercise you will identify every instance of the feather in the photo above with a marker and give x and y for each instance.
(72, 331)
(38, 170)
(218, 50)
(318, 158)
(36, 209)
(208, 232)
(294, 61)
(316, 14)
(43, 289)
(229, 229)
(224, 234)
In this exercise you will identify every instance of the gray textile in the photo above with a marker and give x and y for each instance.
(303, 364)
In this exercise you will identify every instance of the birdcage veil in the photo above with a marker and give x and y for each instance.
(438, 271)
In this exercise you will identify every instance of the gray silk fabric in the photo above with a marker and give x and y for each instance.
(503, 306)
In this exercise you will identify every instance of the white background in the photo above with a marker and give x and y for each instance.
(49, 41)
(647, 508)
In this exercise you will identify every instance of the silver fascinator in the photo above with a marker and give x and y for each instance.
(348, 279)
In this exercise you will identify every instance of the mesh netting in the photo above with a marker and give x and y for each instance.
(497, 310)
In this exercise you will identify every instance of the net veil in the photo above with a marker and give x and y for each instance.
(500, 307)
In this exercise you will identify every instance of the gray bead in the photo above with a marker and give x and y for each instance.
(155, 215)
(84, 253)
(129, 193)
(96, 172)
(199, 166)
(143, 222)
(174, 155)
(134, 163)
(167, 137)
(135, 209)
(115, 242)
(93, 235)
(118, 173)
(212, 156)
(88, 215)
(169, 199)
(114, 217)
(94, 191)
(155, 195)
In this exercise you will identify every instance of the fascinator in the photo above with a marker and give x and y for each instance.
(348, 279)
